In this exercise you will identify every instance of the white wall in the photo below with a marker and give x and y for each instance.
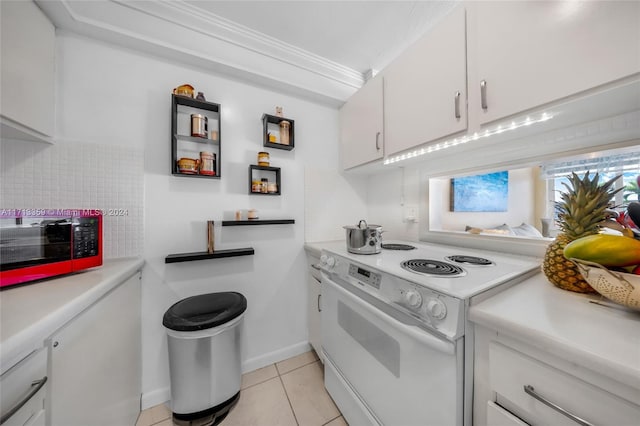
(109, 95)
(390, 196)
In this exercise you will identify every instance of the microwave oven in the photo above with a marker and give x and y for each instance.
(43, 243)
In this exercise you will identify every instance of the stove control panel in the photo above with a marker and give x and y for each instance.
(436, 308)
(364, 275)
(413, 299)
(327, 261)
(422, 303)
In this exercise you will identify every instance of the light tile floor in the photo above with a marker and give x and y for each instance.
(287, 393)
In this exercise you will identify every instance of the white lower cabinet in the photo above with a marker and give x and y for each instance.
(314, 299)
(526, 390)
(95, 362)
(23, 390)
(498, 416)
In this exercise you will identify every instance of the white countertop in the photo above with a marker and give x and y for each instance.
(31, 313)
(567, 324)
(316, 248)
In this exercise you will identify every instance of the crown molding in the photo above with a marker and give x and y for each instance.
(178, 31)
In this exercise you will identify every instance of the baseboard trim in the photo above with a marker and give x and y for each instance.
(275, 356)
(155, 397)
(163, 395)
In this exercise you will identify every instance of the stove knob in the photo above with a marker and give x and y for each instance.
(323, 259)
(330, 262)
(436, 308)
(413, 299)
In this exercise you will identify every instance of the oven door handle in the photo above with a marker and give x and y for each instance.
(420, 335)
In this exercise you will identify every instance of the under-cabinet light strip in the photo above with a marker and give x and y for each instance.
(468, 138)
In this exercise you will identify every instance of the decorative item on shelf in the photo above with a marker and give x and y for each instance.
(263, 158)
(252, 214)
(264, 180)
(199, 125)
(285, 127)
(210, 237)
(207, 163)
(184, 90)
(214, 135)
(188, 166)
(201, 97)
(279, 111)
(238, 215)
(272, 138)
(580, 213)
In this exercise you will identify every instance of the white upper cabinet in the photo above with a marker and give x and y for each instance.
(530, 53)
(361, 125)
(425, 88)
(27, 72)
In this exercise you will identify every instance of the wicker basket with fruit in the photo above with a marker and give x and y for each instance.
(580, 213)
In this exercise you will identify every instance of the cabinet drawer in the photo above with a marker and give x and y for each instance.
(498, 416)
(23, 391)
(511, 371)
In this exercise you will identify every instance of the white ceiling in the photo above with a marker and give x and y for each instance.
(321, 50)
(360, 35)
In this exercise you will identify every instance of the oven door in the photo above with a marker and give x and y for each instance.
(382, 368)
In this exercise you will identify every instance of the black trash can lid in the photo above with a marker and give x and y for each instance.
(204, 311)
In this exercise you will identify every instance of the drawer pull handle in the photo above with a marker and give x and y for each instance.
(456, 105)
(35, 387)
(319, 308)
(531, 391)
(483, 94)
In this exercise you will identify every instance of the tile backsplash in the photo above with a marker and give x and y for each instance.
(79, 175)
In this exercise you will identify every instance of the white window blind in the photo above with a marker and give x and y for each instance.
(619, 163)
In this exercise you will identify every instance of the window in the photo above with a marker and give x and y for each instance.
(608, 166)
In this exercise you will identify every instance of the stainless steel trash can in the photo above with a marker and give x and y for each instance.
(204, 356)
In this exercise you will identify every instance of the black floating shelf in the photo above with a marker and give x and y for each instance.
(257, 222)
(189, 257)
(272, 119)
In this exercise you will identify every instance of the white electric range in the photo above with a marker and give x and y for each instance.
(395, 336)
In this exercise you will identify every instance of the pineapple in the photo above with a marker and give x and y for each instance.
(579, 214)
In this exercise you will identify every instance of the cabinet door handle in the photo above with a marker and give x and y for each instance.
(378, 141)
(456, 103)
(315, 266)
(531, 391)
(483, 94)
(319, 308)
(35, 387)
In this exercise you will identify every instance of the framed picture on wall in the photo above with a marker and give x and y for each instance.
(480, 193)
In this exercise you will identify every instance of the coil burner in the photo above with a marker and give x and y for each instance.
(470, 260)
(398, 247)
(433, 267)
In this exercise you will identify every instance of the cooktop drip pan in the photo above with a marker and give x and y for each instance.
(398, 247)
(436, 268)
(470, 260)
